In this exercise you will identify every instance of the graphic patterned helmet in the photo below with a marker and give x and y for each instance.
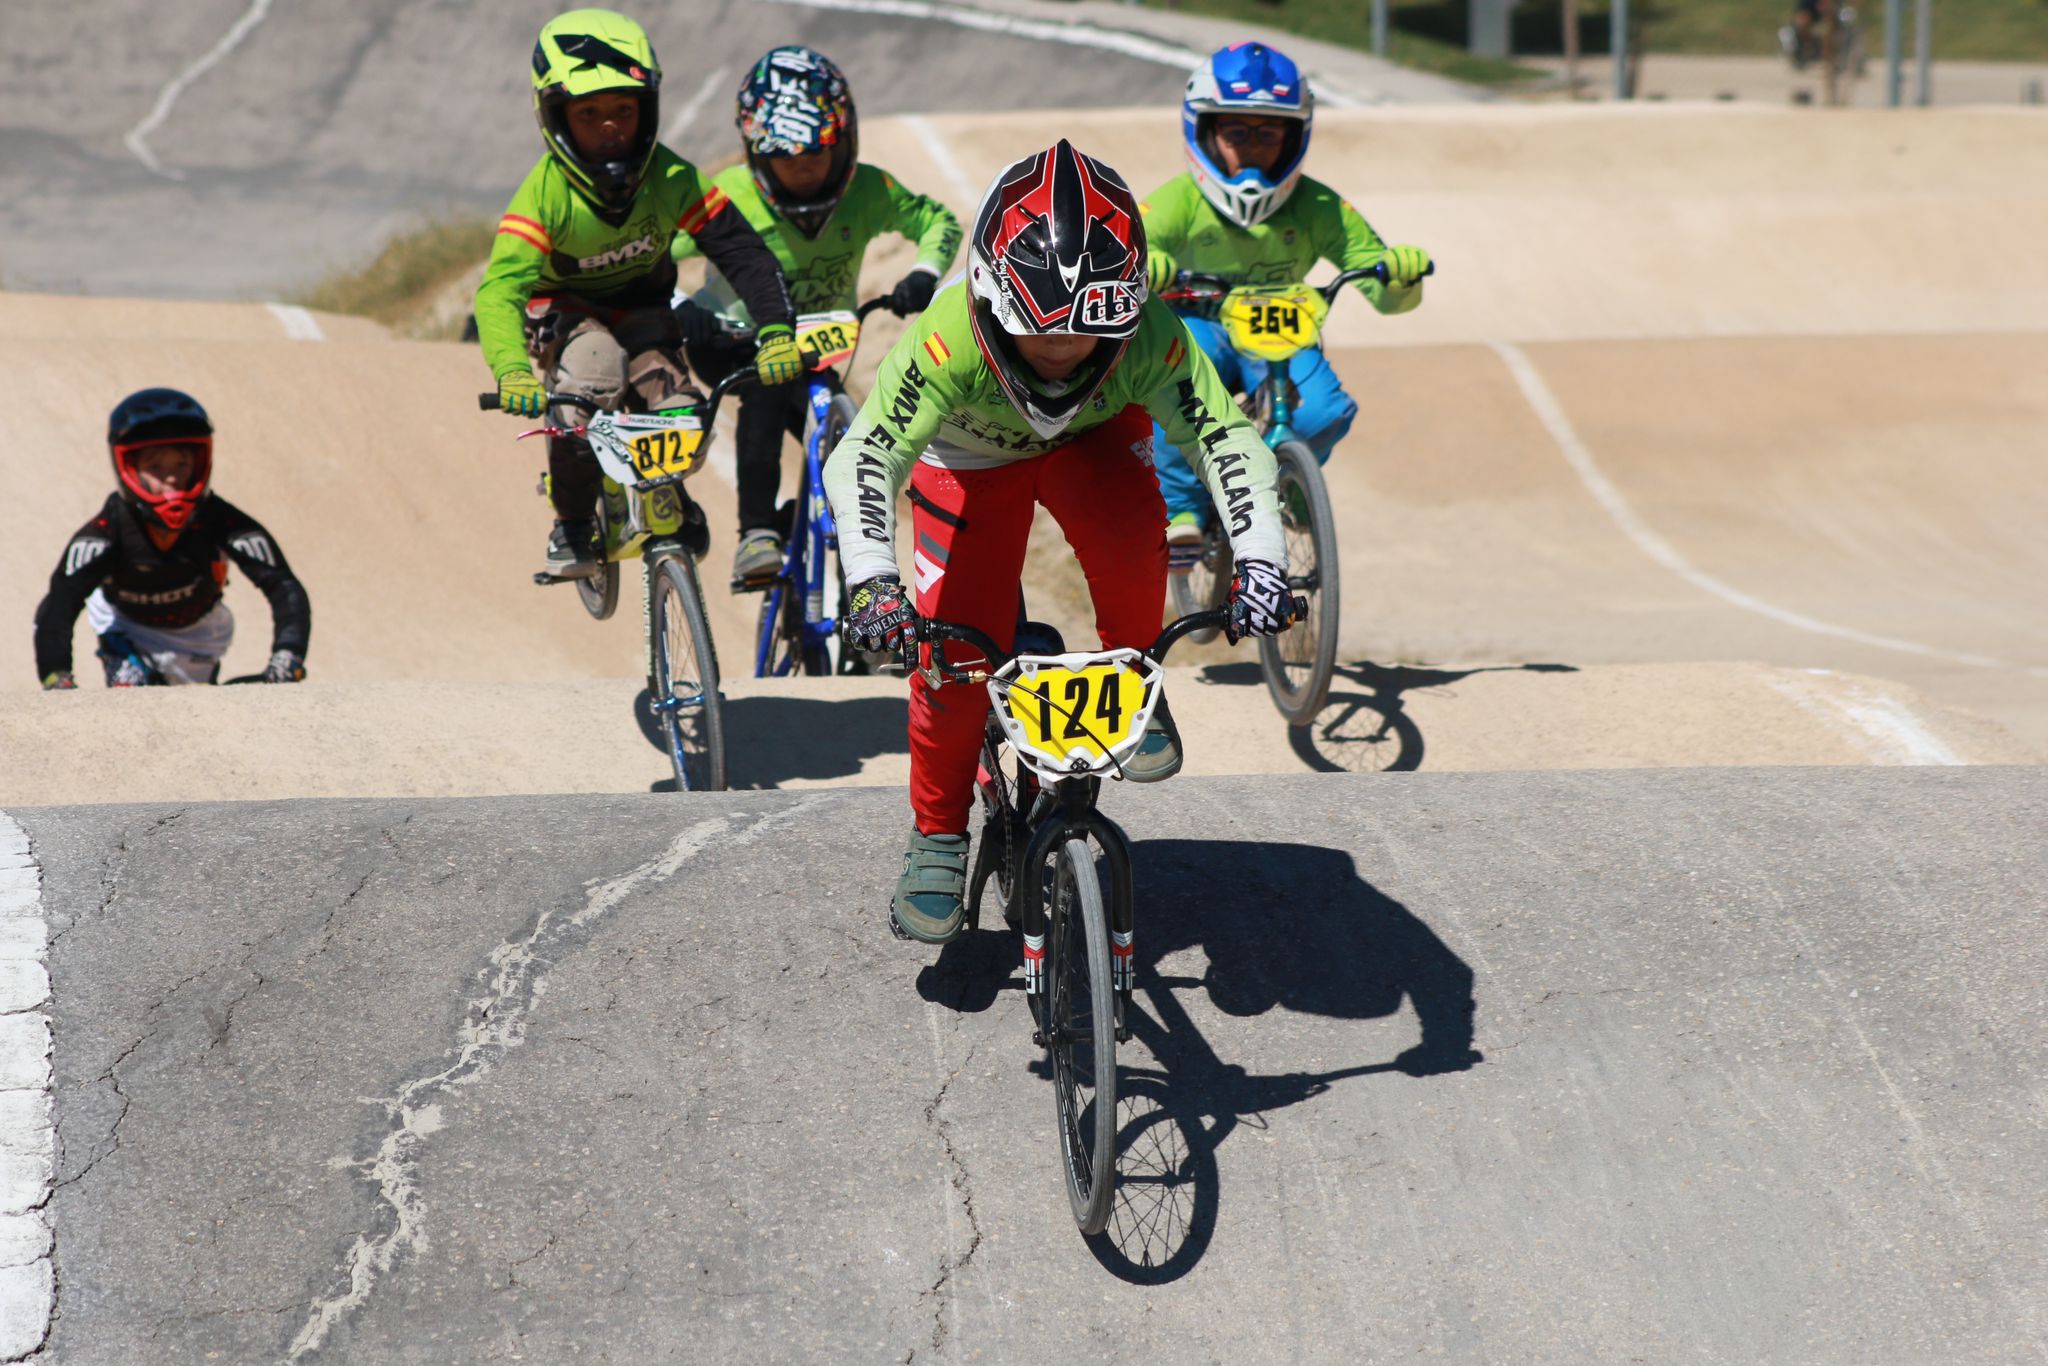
(1246, 78)
(160, 417)
(1058, 247)
(796, 101)
(580, 53)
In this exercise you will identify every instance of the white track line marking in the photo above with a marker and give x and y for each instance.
(1880, 726)
(942, 157)
(299, 324)
(493, 1025)
(1120, 41)
(28, 1151)
(137, 138)
(695, 105)
(1551, 414)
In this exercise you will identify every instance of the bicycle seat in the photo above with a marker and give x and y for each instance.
(1037, 638)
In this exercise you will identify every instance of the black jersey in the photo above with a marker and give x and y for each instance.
(170, 588)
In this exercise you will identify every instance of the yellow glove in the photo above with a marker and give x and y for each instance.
(521, 395)
(776, 358)
(1160, 268)
(1406, 266)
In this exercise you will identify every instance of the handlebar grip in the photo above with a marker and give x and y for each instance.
(488, 402)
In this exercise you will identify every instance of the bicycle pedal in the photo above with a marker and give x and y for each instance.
(756, 585)
(542, 580)
(897, 929)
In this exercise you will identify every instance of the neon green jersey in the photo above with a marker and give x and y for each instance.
(552, 240)
(1315, 224)
(824, 271)
(935, 398)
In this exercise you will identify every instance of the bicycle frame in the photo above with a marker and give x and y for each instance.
(803, 565)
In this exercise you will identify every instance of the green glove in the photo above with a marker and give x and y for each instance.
(521, 395)
(776, 359)
(1160, 268)
(1406, 266)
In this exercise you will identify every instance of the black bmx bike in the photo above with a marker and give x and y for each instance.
(1056, 868)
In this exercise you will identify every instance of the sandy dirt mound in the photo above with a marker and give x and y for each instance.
(484, 739)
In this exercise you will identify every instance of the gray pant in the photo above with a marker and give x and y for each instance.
(596, 354)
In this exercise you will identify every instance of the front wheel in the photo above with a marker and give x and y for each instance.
(1299, 662)
(1080, 1031)
(683, 675)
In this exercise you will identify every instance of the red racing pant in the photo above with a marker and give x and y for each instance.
(971, 528)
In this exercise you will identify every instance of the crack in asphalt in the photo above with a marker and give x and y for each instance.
(494, 1023)
(941, 1289)
(112, 866)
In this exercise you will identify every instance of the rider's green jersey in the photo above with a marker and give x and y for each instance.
(824, 271)
(552, 240)
(1315, 224)
(936, 398)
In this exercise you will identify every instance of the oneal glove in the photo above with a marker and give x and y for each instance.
(776, 358)
(1260, 603)
(1160, 269)
(879, 615)
(1406, 266)
(60, 681)
(285, 667)
(521, 395)
(913, 293)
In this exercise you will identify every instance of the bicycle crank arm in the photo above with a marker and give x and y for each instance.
(669, 704)
(542, 580)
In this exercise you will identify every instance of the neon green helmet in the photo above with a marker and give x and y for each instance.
(580, 53)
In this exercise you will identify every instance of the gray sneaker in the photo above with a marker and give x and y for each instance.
(1158, 755)
(930, 900)
(759, 555)
(570, 552)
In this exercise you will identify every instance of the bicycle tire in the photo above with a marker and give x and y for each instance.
(833, 657)
(682, 657)
(599, 591)
(1078, 978)
(1299, 662)
(1206, 585)
(998, 849)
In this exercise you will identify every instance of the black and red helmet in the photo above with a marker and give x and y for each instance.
(160, 417)
(1058, 247)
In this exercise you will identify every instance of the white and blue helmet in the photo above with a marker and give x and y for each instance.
(1246, 78)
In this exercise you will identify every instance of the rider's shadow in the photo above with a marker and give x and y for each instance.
(1365, 727)
(1282, 926)
(771, 740)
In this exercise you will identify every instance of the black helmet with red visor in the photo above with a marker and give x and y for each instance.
(152, 418)
(1058, 247)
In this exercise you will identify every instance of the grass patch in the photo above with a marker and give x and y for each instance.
(1431, 34)
(403, 285)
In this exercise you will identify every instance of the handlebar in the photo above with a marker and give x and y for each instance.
(935, 632)
(1198, 287)
(742, 376)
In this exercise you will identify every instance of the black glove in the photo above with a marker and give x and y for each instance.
(913, 293)
(1260, 603)
(60, 681)
(699, 326)
(879, 615)
(285, 667)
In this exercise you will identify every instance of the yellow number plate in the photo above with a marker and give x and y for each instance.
(1065, 715)
(1273, 322)
(669, 454)
(831, 335)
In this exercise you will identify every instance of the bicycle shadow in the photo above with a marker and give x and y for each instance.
(1346, 951)
(772, 740)
(1365, 726)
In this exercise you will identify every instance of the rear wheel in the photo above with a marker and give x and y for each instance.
(600, 590)
(1080, 1031)
(1299, 662)
(683, 675)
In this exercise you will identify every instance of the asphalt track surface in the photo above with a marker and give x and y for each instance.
(1732, 1065)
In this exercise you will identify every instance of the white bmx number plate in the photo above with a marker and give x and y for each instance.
(640, 450)
(1076, 713)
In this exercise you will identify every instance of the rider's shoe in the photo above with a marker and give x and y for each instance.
(759, 555)
(930, 900)
(1183, 541)
(571, 548)
(1158, 755)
